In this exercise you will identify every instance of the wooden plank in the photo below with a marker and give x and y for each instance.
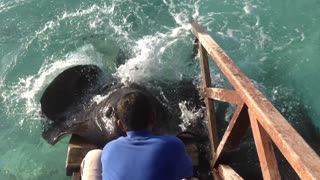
(230, 96)
(226, 172)
(234, 133)
(215, 175)
(213, 136)
(78, 148)
(298, 153)
(76, 176)
(267, 158)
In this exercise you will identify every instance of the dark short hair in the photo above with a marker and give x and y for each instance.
(134, 109)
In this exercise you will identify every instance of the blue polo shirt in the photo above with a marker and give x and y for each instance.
(143, 156)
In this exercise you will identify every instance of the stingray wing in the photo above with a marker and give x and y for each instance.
(64, 96)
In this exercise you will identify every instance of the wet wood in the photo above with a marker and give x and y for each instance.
(224, 95)
(215, 175)
(234, 132)
(226, 172)
(213, 136)
(78, 148)
(298, 153)
(267, 158)
(76, 176)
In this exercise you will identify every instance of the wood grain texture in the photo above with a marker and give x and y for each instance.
(206, 81)
(298, 153)
(267, 158)
(78, 148)
(224, 95)
(226, 172)
(234, 133)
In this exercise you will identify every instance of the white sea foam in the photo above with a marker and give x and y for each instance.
(150, 49)
(283, 46)
(6, 6)
(28, 88)
(98, 98)
(247, 9)
(148, 59)
(81, 12)
(188, 116)
(263, 37)
(7, 62)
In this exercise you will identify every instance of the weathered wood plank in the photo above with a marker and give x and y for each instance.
(215, 175)
(267, 158)
(298, 153)
(78, 148)
(226, 172)
(213, 136)
(230, 96)
(76, 176)
(234, 132)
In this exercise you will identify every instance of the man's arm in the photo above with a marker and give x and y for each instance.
(183, 163)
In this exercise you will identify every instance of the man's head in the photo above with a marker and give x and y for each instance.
(135, 112)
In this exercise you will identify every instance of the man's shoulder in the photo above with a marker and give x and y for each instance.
(172, 141)
(170, 138)
(114, 143)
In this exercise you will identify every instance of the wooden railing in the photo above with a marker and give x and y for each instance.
(253, 109)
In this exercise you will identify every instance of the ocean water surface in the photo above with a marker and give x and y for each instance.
(276, 43)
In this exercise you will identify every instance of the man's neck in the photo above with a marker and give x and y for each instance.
(139, 133)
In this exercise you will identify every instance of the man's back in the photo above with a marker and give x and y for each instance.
(142, 155)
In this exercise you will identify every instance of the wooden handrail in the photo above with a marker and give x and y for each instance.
(266, 121)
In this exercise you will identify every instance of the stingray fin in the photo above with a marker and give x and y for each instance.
(68, 90)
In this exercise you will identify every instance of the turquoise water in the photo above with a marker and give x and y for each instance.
(275, 43)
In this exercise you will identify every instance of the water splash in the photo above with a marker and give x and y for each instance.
(149, 56)
(27, 90)
(189, 115)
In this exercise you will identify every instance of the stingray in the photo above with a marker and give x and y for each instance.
(82, 101)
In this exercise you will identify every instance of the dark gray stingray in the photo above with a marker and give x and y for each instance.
(80, 101)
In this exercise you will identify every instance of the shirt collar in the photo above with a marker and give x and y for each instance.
(139, 133)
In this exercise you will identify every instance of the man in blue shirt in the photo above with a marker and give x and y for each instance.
(142, 155)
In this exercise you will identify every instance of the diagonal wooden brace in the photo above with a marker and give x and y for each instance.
(234, 133)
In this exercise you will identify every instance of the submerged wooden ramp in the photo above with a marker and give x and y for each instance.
(253, 110)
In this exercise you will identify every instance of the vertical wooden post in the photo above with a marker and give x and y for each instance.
(206, 82)
(267, 158)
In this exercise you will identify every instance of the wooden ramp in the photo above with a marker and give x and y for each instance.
(269, 127)
(79, 147)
